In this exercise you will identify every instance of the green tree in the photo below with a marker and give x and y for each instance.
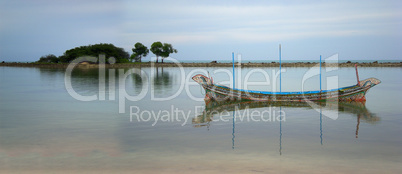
(167, 49)
(109, 50)
(49, 59)
(157, 49)
(139, 50)
(135, 57)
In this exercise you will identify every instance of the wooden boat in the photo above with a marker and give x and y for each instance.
(223, 93)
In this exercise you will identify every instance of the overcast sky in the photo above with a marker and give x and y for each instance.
(209, 30)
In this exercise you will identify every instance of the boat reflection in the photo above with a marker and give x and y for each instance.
(212, 109)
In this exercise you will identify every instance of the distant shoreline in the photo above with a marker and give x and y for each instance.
(214, 64)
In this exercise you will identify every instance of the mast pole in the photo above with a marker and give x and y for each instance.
(320, 74)
(357, 75)
(234, 81)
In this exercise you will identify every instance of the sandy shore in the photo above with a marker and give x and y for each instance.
(272, 64)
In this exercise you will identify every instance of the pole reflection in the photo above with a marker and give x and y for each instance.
(214, 109)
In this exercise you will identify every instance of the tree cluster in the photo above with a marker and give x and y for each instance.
(159, 49)
(49, 59)
(109, 50)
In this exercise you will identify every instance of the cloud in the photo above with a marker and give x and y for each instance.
(43, 27)
(40, 27)
(251, 23)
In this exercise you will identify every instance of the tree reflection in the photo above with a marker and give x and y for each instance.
(137, 79)
(161, 80)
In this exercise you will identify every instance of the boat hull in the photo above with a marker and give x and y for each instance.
(224, 93)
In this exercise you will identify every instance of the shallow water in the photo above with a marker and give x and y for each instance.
(43, 128)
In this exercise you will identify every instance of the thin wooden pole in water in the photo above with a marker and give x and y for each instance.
(280, 130)
(234, 81)
(280, 107)
(321, 123)
(320, 73)
(233, 131)
(320, 106)
(280, 69)
(357, 126)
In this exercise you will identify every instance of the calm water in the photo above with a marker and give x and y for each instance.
(44, 128)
